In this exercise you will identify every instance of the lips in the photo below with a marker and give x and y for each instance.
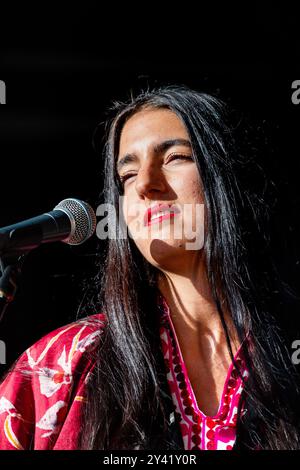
(171, 209)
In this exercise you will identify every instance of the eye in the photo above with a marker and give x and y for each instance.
(125, 177)
(179, 156)
(173, 156)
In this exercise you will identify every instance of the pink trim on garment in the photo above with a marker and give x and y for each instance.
(218, 431)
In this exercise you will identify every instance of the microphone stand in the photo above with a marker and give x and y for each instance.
(11, 271)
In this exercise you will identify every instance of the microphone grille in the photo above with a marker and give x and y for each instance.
(82, 217)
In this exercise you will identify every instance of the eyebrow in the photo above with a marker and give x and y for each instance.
(158, 149)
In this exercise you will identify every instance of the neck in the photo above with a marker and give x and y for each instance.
(192, 309)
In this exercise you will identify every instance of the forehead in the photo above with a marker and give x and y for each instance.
(150, 126)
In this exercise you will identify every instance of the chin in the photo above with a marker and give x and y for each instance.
(161, 251)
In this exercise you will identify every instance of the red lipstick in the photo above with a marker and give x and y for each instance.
(170, 210)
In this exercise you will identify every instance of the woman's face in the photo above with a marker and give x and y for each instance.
(163, 202)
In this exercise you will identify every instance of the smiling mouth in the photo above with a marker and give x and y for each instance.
(158, 217)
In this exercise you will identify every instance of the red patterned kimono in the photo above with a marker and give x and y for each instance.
(41, 398)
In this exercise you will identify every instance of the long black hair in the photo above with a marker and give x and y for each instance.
(126, 397)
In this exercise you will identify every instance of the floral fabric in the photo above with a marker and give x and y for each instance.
(41, 397)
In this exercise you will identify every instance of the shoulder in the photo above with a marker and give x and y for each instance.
(91, 324)
(38, 389)
(63, 347)
(71, 340)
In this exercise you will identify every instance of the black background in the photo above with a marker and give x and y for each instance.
(63, 66)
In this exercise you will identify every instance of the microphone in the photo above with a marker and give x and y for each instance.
(72, 221)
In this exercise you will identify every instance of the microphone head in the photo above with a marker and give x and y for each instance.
(82, 218)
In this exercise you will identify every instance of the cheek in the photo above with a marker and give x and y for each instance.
(131, 210)
(197, 188)
(133, 214)
(193, 209)
(125, 211)
(189, 189)
(188, 184)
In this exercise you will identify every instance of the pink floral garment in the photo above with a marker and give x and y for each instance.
(199, 431)
(40, 408)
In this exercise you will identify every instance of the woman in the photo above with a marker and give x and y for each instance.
(187, 353)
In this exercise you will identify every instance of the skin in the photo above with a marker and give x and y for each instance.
(161, 177)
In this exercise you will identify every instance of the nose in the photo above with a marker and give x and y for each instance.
(150, 179)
